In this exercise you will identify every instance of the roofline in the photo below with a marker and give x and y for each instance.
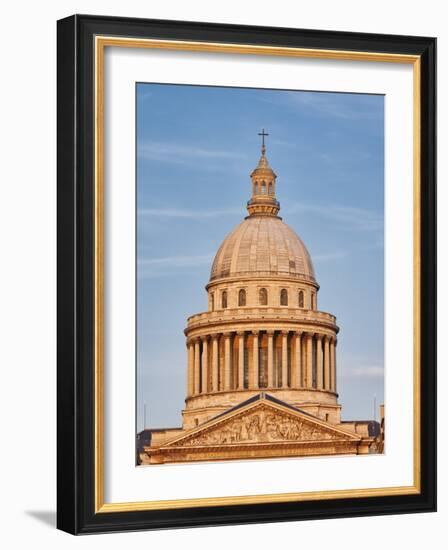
(160, 429)
(246, 404)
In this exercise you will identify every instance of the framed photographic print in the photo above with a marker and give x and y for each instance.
(246, 274)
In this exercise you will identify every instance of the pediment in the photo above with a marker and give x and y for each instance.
(262, 422)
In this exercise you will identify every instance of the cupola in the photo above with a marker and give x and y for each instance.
(263, 201)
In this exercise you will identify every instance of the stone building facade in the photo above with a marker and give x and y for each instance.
(261, 374)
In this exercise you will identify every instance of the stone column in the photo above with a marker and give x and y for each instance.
(333, 364)
(285, 359)
(327, 363)
(319, 365)
(241, 360)
(253, 379)
(204, 358)
(197, 366)
(309, 360)
(215, 366)
(297, 377)
(227, 362)
(270, 334)
(190, 376)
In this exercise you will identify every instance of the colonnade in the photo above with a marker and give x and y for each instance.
(251, 360)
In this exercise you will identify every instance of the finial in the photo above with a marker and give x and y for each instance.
(263, 147)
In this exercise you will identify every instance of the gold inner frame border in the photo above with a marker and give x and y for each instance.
(101, 42)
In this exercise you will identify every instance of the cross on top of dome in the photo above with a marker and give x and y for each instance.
(263, 134)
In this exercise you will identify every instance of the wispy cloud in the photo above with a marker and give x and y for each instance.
(335, 157)
(366, 371)
(188, 213)
(336, 105)
(158, 267)
(180, 153)
(342, 106)
(176, 261)
(142, 96)
(336, 255)
(348, 217)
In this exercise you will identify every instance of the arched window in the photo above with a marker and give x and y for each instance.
(224, 299)
(263, 188)
(270, 188)
(242, 297)
(283, 297)
(256, 188)
(301, 298)
(212, 301)
(263, 297)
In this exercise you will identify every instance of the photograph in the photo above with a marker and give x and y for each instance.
(259, 274)
(246, 274)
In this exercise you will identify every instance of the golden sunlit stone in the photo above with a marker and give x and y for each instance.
(261, 375)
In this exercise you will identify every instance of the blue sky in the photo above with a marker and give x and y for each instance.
(196, 147)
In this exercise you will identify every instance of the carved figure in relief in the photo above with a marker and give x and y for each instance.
(261, 426)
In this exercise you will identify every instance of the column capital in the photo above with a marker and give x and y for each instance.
(270, 332)
(241, 332)
(255, 332)
(319, 336)
(285, 332)
(299, 332)
(205, 337)
(214, 336)
(227, 335)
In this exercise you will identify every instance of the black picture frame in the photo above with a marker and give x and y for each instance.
(76, 270)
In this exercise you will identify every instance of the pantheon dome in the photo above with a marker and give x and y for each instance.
(261, 374)
(262, 246)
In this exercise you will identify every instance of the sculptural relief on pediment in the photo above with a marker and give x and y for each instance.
(262, 425)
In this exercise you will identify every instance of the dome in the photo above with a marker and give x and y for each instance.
(262, 246)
